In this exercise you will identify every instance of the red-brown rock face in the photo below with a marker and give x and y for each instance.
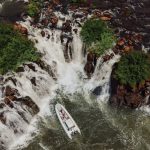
(20, 28)
(126, 96)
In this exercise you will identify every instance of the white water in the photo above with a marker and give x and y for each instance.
(70, 77)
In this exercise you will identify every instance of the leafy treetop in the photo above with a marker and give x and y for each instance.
(133, 68)
(96, 34)
(14, 49)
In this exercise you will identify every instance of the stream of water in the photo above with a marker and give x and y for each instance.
(102, 127)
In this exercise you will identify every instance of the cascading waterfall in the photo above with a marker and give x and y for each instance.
(65, 75)
(70, 76)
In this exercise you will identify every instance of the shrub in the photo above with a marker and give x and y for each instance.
(104, 44)
(97, 35)
(14, 49)
(133, 68)
(34, 7)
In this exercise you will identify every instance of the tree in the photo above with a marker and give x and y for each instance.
(133, 68)
(14, 49)
(97, 36)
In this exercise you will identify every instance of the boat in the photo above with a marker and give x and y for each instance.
(67, 122)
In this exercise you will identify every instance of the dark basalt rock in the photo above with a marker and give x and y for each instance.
(8, 101)
(9, 91)
(90, 57)
(91, 63)
(2, 118)
(108, 57)
(13, 80)
(29, 102)
(46, 67)
(54, 20)
(43, 33)
(2, 105)
(123, 95)
(67, 26)
(33, 81)
(97, 91)
(11, 97)
(89, 68)
(31, 66)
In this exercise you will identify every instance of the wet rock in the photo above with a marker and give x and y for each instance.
(29, 102)
(1, 79)
(43, 33)
(61, 38)
(46, 67)
(78, 23)
(45, 22)
(8, 101)
(48, 36)
(133, 100)
(78, 15)
(89, 68)
(121, 42)
(75, 31)
(106, 58)
(126, 96)
(67, 26)
(33, 81)
(90, 57)
(2, 105)
(41, 64)
(10, 91)
(127, 49)
(91, 63)
(105, 18)
(24, 30)
(21, 29)
(31, 66)
(97, 91)
(13, 80)
(56, 2)
(54, 20)
(2, 118)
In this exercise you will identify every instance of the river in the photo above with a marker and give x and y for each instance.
(102, 126)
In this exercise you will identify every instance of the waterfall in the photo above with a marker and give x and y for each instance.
(67, 75)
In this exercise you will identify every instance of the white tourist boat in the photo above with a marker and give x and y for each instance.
(66, 121)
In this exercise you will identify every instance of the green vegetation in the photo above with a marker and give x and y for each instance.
(104, 44)
(34, 7)
(97, 36)
(133, 68)
(14, 49)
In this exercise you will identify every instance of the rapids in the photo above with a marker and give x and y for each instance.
(102, 126)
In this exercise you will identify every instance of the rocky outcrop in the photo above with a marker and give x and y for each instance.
(54, 20)
(20, 28)
(11, 98)
(123, 95)
(97, 91)
(67, 26)
(33, 81)
(90, 63)
(47, 68)
(108, 57)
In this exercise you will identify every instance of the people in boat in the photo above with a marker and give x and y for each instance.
(64, 115)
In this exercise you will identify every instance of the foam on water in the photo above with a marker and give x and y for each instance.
(69, 76)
